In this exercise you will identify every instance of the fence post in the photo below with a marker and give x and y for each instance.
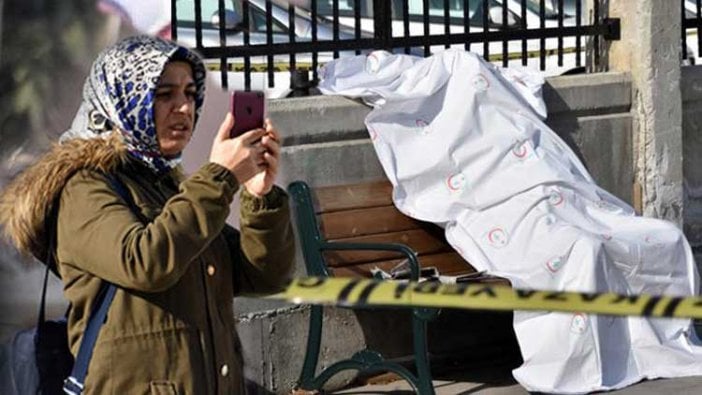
(650, 50)
(382, 23)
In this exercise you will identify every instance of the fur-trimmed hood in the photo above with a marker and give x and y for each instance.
(27, 201)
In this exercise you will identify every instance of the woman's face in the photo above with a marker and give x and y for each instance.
(174, 108)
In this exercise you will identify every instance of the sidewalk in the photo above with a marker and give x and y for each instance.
(500, 382)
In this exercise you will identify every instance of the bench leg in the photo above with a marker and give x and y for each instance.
(314, 340)
(421, 354)
(365, 360)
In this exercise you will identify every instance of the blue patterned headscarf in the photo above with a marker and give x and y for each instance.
(119, 94)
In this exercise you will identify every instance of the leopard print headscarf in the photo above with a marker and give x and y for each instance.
(120, 90)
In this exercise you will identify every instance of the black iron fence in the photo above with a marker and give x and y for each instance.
(691, 30)
(291, 39)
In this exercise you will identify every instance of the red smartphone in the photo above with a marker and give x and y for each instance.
(248, 109)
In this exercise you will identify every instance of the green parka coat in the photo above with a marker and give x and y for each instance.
(170, 328)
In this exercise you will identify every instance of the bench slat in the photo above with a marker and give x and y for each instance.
(420, 240)
(364, 213)
(345, 197)
(361, 222)
(447, 263)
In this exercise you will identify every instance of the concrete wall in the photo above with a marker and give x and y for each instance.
(326, 143)
(691, 90)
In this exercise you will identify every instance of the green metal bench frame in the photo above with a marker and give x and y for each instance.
(313, 244)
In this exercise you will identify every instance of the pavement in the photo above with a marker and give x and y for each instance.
(498, 380)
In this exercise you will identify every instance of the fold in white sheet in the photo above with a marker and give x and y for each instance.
(465, 146)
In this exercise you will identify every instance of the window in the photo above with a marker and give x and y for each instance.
(257, 22)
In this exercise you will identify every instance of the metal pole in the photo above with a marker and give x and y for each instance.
(382, 20)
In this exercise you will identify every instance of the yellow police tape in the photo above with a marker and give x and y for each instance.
(367, 292)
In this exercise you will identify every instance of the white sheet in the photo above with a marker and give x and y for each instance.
(464, 146)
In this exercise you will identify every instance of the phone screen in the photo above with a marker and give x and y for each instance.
(248, 109)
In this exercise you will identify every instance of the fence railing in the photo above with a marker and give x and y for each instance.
(691, 28)
(272, 38)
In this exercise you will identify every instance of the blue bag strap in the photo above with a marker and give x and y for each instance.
(75, 382)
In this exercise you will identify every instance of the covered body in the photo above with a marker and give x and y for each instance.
(465, 146)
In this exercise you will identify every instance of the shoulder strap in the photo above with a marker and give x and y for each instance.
(50, 259)
(74, 383)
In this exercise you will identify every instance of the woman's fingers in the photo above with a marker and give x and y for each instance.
(225, 127)
(271, 145)
(251, 136)
(271, 130)
(271, 162)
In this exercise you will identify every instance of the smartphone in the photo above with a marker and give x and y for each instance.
(248, 109)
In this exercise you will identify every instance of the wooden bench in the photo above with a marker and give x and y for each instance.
(348, 230)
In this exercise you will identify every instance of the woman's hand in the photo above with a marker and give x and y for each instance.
(262, 183)
(242, 155)
(252, 157)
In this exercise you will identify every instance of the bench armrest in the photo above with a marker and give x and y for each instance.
(396, 247)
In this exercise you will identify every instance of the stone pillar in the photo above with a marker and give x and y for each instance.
(650, 50)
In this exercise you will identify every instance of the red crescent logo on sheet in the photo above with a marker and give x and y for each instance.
(555, 198)
(423, 125)
(498, 237)
(579, 323)
(480, 83)
(456, 182)
(554, 264)
(520, 150)
(372, 64)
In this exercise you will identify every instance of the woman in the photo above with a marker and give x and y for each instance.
(170, 328)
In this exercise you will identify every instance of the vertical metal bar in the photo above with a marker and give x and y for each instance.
(466, 23)
(222, 44)
(683, 17)
(247, 38)
(405, 21)
(425, 21)
(560, 33)
(578, 23)
(269, 41)
(505, 52)
(382, 19)
(291, 39)
(357, 21)
(447, 22)
(486, 46)
(542, 41)
(335, 27)
(596, 38)
(174, 19)
(198, 24)
(523, 16)
(699, 27)
(313, 5)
